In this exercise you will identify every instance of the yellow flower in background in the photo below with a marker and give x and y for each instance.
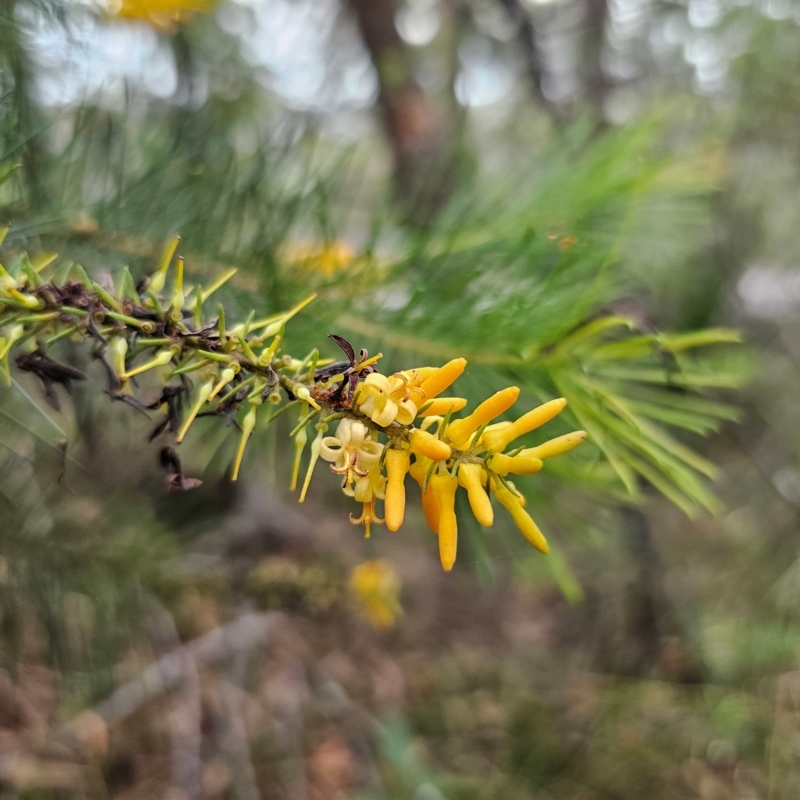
(376, 587)
(164, 15)
(324, 258)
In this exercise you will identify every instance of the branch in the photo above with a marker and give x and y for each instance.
(244, 633)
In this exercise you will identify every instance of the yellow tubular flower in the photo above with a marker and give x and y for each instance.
(557, 446)
(430, 505)
(521, 518)
(520, 464)
(444, 488)
(473, 478)
(426, 444)
(397, 465)
(442, 405)
(438, 381)
(498, 440)
(460, 431)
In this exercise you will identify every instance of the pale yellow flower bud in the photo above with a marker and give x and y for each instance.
(248, 425)
(202, 395)
(159, 360)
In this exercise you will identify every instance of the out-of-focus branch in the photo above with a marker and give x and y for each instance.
(422, 159)
(526, 37)
(596, 82)
(185, 712)
(246, 632)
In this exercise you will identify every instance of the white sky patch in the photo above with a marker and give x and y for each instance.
(82, 58)
(418, 22)
(770, 292)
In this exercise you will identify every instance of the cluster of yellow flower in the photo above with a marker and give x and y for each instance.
(239, 372)
(447, 454)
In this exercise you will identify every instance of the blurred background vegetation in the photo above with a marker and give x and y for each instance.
(582, 197)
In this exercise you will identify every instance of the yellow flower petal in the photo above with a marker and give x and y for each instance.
(386, 415)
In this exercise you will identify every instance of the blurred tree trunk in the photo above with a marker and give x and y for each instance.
(596, 83)
(656, 638)
(527, 40)
(422, 152)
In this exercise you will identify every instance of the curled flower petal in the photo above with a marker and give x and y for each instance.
(331, 448)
